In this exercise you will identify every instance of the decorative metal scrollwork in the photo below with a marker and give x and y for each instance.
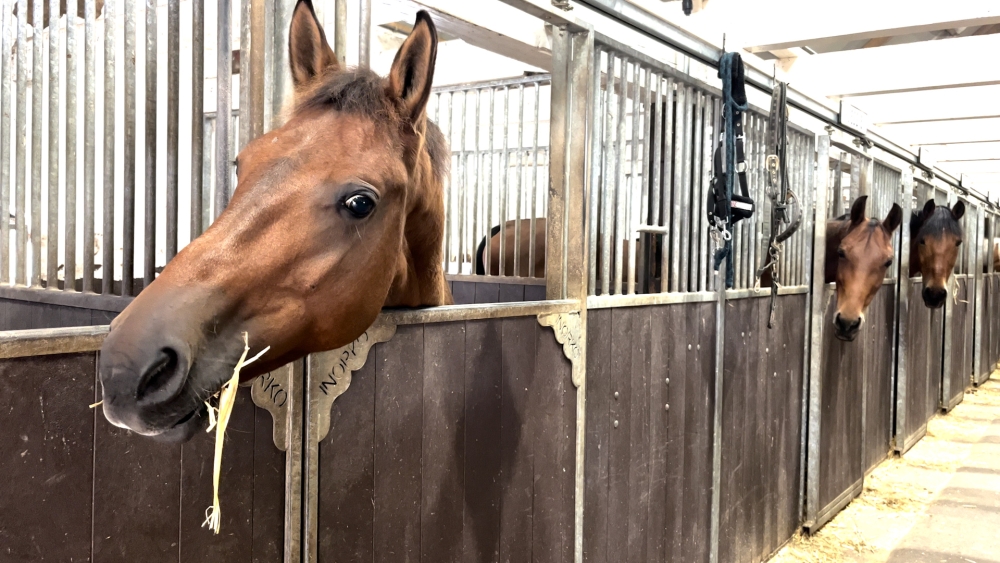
(568, 328)
(330, 372)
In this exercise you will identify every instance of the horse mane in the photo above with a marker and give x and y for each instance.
(941, 220)
(360, 91)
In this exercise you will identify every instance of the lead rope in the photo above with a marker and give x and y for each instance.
(779, 192)
(725, 208)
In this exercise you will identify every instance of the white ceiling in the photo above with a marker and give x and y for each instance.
(925, 71)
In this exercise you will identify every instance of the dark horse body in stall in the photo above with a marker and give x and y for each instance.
(935, 237)
(337, 213)
(858, 253)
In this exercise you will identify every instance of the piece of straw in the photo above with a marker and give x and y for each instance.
(227, 398)
(97, 404)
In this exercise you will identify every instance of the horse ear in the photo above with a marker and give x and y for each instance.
(928, 208)
(858, 210)
(309, 55)
(958, 210)
(412, 72)
(894, 218)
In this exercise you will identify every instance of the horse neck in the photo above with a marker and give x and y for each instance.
(420, 275)
(835, 233)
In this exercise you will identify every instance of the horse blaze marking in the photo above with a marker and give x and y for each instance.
(274, 390)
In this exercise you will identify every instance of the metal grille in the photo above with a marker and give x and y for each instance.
(651, 173)
(102, 146)
(887, 190)
(499, 135)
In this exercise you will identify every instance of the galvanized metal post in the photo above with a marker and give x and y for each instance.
(816, 326)
(150, 218)
(340, 31)
(903, 328)
(223, 111)
(5, 113)
(720, 342)
(110, 124)
(978, 261)
(365, 35)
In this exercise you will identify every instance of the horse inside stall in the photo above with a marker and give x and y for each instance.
(935, 236)
(858, 253)
(337, 214)
(98, 10)
(511, 247)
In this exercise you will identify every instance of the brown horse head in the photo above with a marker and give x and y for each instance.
(337, 213)
(935, 235)
(858, 253)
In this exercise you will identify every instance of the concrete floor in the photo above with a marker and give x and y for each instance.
(938, 504)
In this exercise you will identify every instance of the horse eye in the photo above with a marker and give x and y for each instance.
(958, 242)
(360, 205)
(889, 263)
(923, 242)
(841, 253)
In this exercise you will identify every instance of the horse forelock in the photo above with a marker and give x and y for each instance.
(940, 222)
(360, 91)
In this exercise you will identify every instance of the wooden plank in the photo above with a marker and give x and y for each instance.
(346, 488)
(677, 398)
(552, 406)
(268, 492)
(464, 293)
(735, 358)
(518, 428)
(136, 497)
(487, 293)
(485, 391)
(698, 407)
(595, 513)
(757, 379)
(236, 488)
(443, 458)
(511, 293)
(639, 421)
(620, 444)
(659, 431)
(534, 293)
(47, 457)
(398, 443)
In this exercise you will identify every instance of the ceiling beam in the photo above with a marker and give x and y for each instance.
(931, 105)
(852, 20)
(946, 63)
(946, 132)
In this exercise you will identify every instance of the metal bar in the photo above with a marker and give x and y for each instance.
(365, 33)
(258, 66)
(244, 72)
(5, 105)
(108, 243)
(37, 95)
(89, 145)
(504, 182)
(818, 302)
(620, 185)
(173, 120)
(72, 93)
(477, 200)
(706, 182)
(644, 274)
(608, 167)
(520, 180)
(52, 189)
(697, 250)
(340, 31)
(905, 285)
(223, 77)
(197, 117)
(717, 430)
(534, 177)
(448, 193)
(668, 248)
(656, 109)
(128, 161)
(634, 177)
(150, 192)
(677, 221)
(462, 188)
(685, 149)
(596, 151)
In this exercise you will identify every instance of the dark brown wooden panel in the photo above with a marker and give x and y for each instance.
(485, 390)
(137, 496)
(487, 293)
(464, 293)
(879, 373)
(236, 487)
(346, 499)
(599, 353)
(677, 478)
(841, 410)
(553, 410)
(443, 459)
(639, 434)
(659, 431)
(268, 492)
(698, 412)
(398, 443)
(620, 444)
(517, 438)
(46, 454)
(917, 362)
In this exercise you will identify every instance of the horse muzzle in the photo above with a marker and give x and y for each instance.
(847, 329)
(934, 297)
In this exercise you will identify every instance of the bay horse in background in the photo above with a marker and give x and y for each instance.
(858, 253)
(337, 214)
(935, 237)
(98, 10)
(511, 248)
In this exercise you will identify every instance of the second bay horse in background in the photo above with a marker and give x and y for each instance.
(935, 237)
(858, 252)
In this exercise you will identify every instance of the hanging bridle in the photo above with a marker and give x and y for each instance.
(778, 191)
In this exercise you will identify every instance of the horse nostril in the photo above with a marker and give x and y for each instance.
(161, 380)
